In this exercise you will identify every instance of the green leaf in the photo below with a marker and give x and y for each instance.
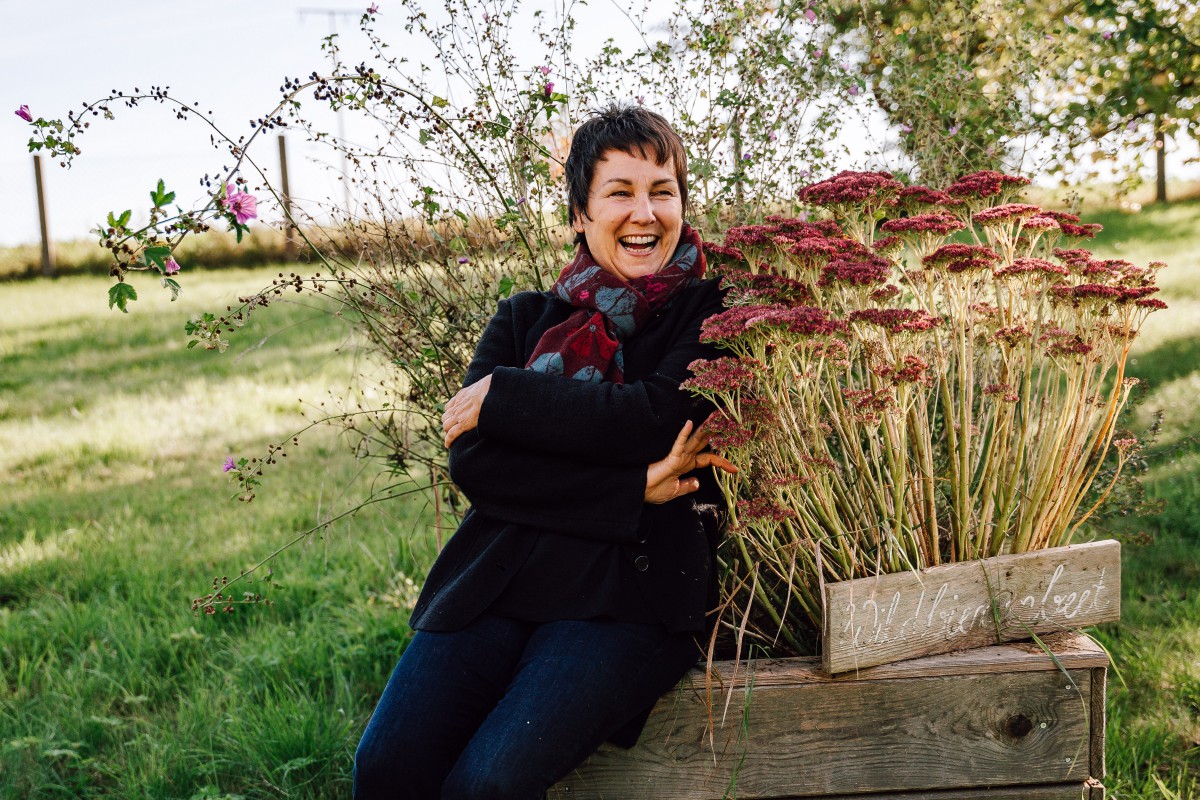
(156, 256)
(173, 285)
(439, 102)
(506, 286)
(120, 295)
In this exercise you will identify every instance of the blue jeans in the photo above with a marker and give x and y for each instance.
(504, 709)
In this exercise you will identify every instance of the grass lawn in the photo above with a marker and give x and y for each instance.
(114, 513)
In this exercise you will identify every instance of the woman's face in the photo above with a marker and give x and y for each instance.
(634, 215)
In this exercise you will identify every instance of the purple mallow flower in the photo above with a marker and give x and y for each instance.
(230, 465)
(171, 266)
(544, 70)
(23, 113)
(549, 90)
(464, 260)
(373, 8)
(810, 15)
(242, 205)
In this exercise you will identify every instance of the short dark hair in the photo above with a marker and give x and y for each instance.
(631, 129)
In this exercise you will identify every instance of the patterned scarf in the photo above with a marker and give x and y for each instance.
(587, 346)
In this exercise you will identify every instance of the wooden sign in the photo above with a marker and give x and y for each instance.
(968, 604)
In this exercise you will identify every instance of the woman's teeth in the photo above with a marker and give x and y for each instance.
(638, 243)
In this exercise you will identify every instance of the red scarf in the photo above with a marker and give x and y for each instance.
(587, 345)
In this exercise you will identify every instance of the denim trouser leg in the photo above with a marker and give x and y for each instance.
(503, 709)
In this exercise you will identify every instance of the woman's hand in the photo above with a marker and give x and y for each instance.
(664, 479)
(462, 410)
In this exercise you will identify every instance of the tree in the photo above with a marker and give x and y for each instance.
(1133, 81)
(960, 79)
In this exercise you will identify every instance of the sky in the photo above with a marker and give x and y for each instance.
(229, 55)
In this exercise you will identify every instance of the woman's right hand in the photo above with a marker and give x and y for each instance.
(664, 479)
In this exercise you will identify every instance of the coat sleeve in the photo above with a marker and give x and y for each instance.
(614, 424)
(515, 482)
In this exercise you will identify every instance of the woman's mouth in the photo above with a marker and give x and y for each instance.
(638, 245)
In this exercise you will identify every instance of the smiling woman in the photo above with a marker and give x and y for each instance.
(571, 596)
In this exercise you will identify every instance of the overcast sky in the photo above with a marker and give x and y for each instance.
(229, 55)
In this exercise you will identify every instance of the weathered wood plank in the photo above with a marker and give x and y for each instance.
(905, 615)
(1050, 791)
(1095, 790)
(821, 738)
(1072, 650)
(1099, 690)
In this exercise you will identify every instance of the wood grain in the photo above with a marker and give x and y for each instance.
(889, 618)
(828, 738)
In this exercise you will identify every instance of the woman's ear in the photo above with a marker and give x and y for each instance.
(577, 224)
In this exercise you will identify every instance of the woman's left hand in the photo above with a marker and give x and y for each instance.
(462, 410)
(664, 479)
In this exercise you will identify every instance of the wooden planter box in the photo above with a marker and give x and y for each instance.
(995, 722)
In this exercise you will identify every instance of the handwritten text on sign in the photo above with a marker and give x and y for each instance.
(892, 617)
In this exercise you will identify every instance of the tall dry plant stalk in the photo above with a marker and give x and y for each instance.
(900, 402)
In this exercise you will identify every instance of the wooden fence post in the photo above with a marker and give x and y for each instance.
(47, 246)
(289, 229)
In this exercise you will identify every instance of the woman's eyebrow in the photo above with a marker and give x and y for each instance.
(628, 182)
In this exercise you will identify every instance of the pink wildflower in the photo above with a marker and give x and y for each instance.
(464, 260)
(549, 89)
(171, 266)
(810, 15)
(544, 70)
(242, 205)
(23, 113)
(373, 8)
(230, 465)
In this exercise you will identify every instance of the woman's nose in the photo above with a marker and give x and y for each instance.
(643, 210)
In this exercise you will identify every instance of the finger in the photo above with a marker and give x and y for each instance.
(714, 460)
(679, 448)
(686, 486)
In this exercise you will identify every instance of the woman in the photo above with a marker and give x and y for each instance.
(569, 599)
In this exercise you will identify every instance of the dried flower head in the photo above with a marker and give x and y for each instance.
(984, 184)
(851, 187)
(722, 374)
(1003, 214)
(937, 223)
(897, 320)
(856, 272)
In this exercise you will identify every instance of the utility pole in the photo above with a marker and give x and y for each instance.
(333, 14)
(289, 228)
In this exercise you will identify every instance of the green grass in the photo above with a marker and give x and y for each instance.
(114, 514)
(1154, 718)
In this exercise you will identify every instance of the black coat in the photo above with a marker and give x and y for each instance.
(557, 467)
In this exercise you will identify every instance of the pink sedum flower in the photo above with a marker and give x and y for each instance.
(242, 205)
(23, 113)
(171, 266)
(230, 465)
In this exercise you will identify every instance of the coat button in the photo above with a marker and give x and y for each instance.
(641, 538)
(641, 563)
